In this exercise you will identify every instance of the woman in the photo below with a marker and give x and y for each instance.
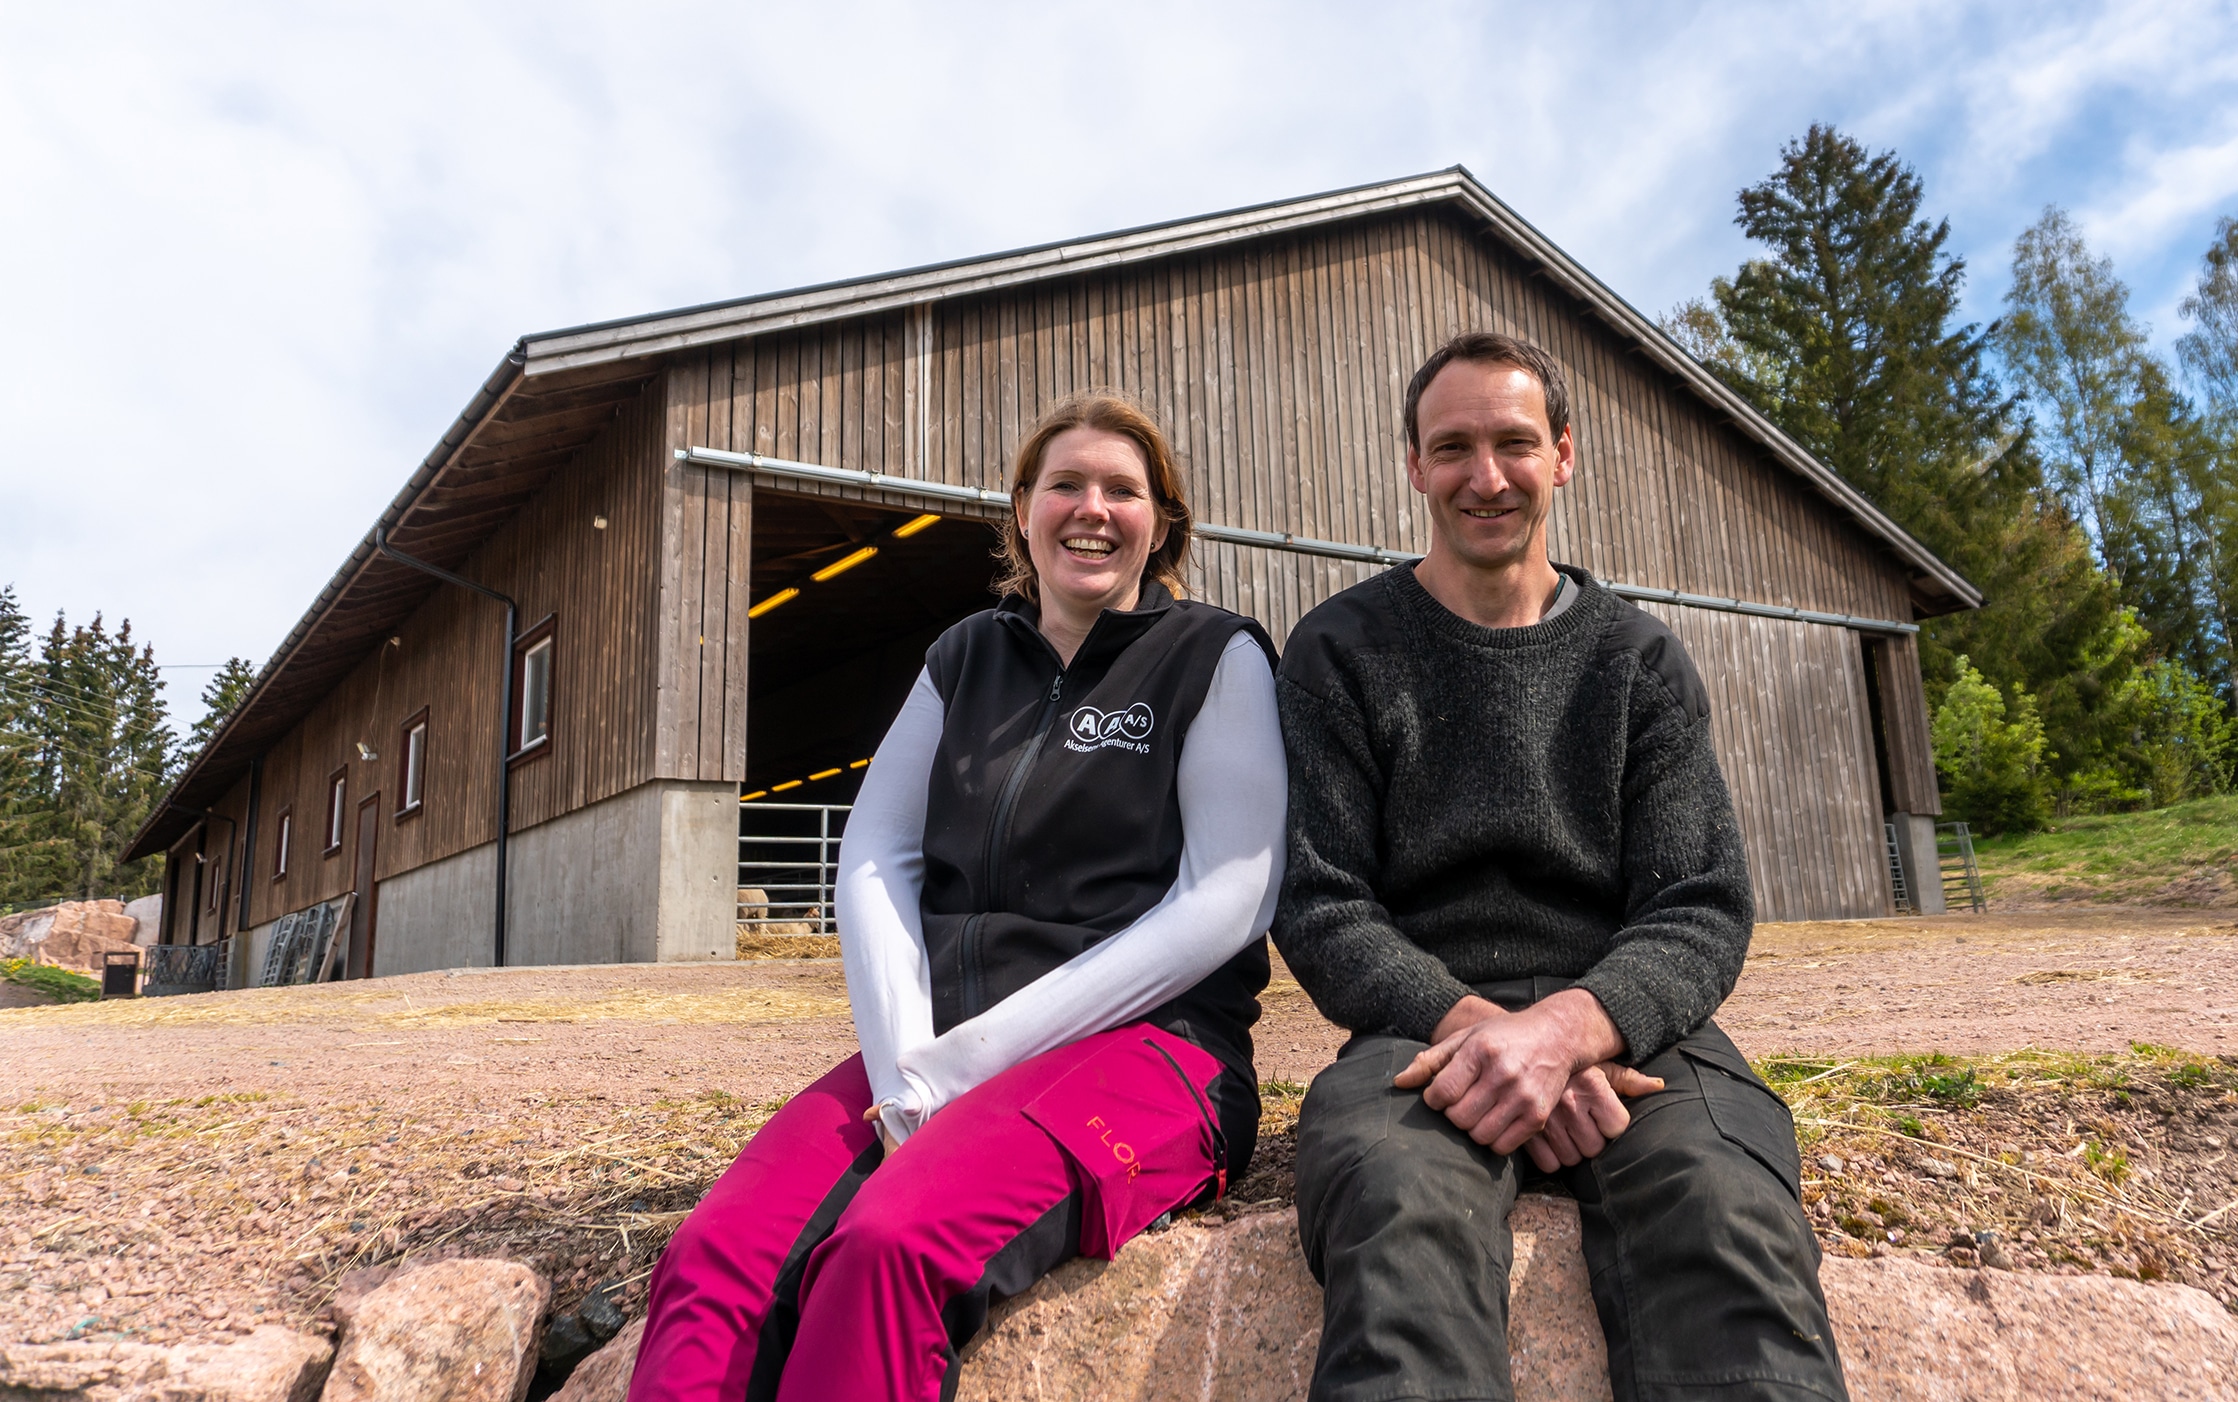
(1052, 896)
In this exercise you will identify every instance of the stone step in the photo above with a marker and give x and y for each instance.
(1229, 1312)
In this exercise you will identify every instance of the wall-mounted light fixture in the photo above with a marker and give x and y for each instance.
(598, 523)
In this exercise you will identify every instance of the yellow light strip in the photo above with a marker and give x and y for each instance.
(780, 597)
(905, 532)
(796, 783)
(841, 566)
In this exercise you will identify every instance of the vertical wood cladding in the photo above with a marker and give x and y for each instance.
(705, 571)
(1904, 725)
(449, 658)
(1279, 368)
(1788, 718)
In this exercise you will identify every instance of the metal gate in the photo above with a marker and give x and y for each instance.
(788, 862)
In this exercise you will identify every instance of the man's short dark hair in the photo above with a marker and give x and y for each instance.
(1492, 348)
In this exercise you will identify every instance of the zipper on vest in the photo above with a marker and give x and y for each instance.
(998, 831)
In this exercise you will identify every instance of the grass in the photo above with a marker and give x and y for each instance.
(2182, 854)
(59, 984)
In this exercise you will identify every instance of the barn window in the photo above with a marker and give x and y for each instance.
(337, 797)
(411, 765)
(282, 831)
(532, 690)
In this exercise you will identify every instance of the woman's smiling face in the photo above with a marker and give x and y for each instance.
(1091, 521)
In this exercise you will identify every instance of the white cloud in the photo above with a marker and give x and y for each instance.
(257, 256)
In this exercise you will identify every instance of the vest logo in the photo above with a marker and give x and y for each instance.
(1090, 729)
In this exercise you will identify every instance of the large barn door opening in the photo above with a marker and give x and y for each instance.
(846, 598)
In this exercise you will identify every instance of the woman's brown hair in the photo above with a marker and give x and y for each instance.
(1110, 412)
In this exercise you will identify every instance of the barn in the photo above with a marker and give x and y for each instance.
(624, 640)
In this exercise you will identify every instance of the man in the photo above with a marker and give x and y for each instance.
(1515, 876)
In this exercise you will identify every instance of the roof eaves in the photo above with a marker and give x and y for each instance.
(495, 390)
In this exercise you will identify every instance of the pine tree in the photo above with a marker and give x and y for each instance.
(26, 847)
(225, 691)
(1845, 335)
(104, 755)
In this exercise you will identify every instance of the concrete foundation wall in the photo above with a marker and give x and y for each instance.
(643, 876)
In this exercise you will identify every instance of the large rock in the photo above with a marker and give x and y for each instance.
(271, 1365)
(73, 935)
(147, 919)
(604, 1376)
(1929, 1333)
(1229, 1312)
(465, 1331)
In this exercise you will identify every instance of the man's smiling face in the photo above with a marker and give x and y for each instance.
(1488, 462)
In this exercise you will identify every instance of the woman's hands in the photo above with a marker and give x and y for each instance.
(1544, 1080)
(876, 1115)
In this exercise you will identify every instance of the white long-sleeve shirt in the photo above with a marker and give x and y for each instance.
(1233, 792)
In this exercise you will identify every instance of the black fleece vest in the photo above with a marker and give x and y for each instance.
(1053, 820)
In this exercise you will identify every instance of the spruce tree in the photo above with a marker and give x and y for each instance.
(224, 692)
(1846, 336)
(104, 753)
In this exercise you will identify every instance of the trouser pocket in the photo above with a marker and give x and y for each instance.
(1746, 1112)
(1135, 1118)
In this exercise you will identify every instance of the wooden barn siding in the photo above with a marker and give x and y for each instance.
(705, 571)
(1913, 787)
(220, 843)
(1280, 370)
(1789, 720)
(551, 560)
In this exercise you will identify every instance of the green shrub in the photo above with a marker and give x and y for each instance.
(2180, 738)
(1992, 767)
(58, 984)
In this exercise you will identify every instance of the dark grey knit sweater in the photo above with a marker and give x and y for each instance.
(1470, 804)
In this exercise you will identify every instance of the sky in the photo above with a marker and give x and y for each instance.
(254, 259)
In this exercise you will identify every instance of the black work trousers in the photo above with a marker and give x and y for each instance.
(1704, 1269)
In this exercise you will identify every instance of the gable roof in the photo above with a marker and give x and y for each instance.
(556, 390)
(1941, 589)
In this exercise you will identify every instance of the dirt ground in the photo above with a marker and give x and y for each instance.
(186, 1168)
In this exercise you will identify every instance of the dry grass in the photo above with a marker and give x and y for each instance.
(2121, 1164)
(198, 1217)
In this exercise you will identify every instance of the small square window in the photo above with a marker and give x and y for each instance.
(282, 830)
(337, 807)
(530, 726)
(411, 765)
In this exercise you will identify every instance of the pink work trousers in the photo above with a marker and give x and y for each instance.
(818, 1269)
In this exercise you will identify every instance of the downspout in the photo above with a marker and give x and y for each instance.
(504, 710)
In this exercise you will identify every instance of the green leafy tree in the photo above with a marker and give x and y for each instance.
(224, 692)
(2068, 338)
(1989, 751)
(2181, 738)
(2209, 351)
